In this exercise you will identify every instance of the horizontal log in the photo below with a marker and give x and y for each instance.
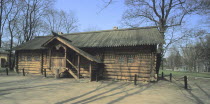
(127, 69)
(134, 71)
(30, 65)
(84, 74)
(29, 68)
(35, 73)
(127, 78)
(33, 61)
(125, 65)
(34, 64)
(127, 74)
(37, 66)
(138, 80)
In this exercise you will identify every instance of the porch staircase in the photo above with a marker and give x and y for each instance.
(73, 71)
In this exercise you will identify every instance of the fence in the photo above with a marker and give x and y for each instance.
(7, 72)
(184, 79)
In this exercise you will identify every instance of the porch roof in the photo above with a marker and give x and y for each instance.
(69, 44)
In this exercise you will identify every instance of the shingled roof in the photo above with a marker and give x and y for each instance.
(105, 38)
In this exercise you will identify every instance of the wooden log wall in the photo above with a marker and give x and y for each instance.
(33, 65)
(133, 61)
(140, 60)
(84, 67)
(30, 61)
(120, 63)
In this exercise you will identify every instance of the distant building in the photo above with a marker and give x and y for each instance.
(4, 55)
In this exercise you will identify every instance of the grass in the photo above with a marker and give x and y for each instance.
(183, 73)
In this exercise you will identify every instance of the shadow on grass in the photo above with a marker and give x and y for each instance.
(104, 94)
(197, 99)
(202, 90)
(1, 94)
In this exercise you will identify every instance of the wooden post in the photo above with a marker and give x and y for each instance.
(41, 71)
(65, 56)
(45, 72)
(50, 58)
(135, 79)
(185, 82)
(90, 70)
(78, 66)
(57, 74)
(16, 62)
(96, 77)
(23, 72)
(171, 77)
(162, 64)
(7, 71)
(162, 75)
(42, 62)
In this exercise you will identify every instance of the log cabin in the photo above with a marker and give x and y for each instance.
(4, 56)
(117, 54)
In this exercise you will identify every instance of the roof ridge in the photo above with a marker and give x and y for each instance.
(135, 28)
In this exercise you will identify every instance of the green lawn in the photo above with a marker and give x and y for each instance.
(183, 73)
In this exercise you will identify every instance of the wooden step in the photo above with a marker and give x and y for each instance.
(73, 74)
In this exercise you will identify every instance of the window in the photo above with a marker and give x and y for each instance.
(3, 62)
(126, 59)
(29, 58)
(121, 59)
(22, 58)
(130, 59)
(36, 58)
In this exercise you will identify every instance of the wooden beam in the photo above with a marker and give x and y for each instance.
(72, 64)
(42, 61)
(65, 55)
(78, 66)
(17, 61)
(50, 58)
(72, 73)
(90, 70)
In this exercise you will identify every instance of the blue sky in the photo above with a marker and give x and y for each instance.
(87, 12)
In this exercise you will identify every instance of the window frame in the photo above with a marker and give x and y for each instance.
(29, 58)
(37, 58)
(130, 58)
(121, 59)
(22, 58)
(126, 59)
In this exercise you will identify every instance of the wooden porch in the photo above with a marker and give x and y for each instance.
(68, 58)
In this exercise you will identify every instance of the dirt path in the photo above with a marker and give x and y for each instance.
(38, 90)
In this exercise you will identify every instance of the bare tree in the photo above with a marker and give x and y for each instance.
(61, 21)
(162, 13)
(175, 58)
(195, 53)
(5, 10)
(12, 20)
(30, 20)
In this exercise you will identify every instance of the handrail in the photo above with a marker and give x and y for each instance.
(72, 73)
(72, 64)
